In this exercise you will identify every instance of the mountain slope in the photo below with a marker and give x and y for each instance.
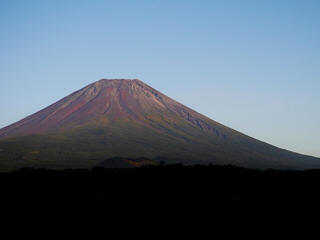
(129, 119)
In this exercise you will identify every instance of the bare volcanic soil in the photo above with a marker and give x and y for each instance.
(119, 118)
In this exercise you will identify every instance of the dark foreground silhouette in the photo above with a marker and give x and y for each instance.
(154, 185)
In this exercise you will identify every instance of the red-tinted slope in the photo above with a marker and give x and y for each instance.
(102, 101)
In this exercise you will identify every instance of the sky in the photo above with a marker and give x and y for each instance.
(251, 65)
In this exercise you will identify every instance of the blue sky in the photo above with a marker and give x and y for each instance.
(251, 65)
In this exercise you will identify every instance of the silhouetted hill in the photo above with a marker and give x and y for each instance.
(196, 186)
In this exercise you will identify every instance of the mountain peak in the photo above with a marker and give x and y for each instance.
(105, 81)
(117, 84)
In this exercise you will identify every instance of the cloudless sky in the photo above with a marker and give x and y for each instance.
(248, 64)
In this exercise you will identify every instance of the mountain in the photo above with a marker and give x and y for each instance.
(127, 119)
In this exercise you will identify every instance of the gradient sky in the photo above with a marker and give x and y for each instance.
(251, 65)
